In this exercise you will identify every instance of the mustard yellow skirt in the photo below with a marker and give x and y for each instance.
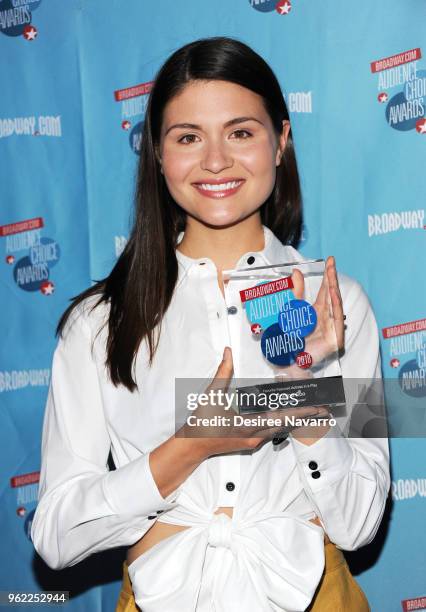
(338, 591)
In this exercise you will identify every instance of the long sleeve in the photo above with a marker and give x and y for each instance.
(83, 507)
(347, 477)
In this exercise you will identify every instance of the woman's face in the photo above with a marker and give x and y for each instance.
(220, 167)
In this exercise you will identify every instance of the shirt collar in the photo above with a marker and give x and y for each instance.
(273, 252)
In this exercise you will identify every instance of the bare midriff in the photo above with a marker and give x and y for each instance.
(159, 531)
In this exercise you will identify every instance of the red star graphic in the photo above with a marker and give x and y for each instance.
(394, 363)
(30, 32)
(256, 328)
(47, 288)
(10, 259)
(421, 126)
(283, 7)
(382, 97)
(126, 125)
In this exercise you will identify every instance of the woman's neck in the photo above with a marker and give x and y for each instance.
(225, 245)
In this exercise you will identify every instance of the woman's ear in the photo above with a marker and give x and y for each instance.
(282, 141)
(157, 155)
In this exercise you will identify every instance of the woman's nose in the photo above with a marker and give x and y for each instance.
(215, 157)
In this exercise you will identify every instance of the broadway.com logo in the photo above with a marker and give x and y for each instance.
(418, 603)
(408, 341)
(394, 221)
(31, 255)
(407, 488)
(405, 109)
(26, 487)
(133, 102)
(42, 125)
(14, 380)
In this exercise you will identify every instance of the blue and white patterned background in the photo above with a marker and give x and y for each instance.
(74, 82)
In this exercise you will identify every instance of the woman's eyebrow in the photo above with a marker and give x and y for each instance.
(193, 126)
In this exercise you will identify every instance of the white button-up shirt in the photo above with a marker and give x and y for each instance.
(268, 556)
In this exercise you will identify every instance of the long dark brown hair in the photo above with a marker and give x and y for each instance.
(140, 286)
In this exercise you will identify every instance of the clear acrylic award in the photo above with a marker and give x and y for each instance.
(283, 337)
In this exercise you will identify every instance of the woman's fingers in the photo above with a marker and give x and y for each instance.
(336, 301)
(322, 300)
(333, 281)
(223, 375)
(298, 284)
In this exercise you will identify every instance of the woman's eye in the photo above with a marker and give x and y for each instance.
(242, 132)
(240, 135)
(186, 136)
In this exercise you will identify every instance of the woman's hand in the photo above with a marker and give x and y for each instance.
(225, 437)
(322, 342)
(330, 326)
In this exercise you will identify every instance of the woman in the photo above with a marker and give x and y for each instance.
(212, 523)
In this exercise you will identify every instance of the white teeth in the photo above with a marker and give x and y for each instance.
(221, 187)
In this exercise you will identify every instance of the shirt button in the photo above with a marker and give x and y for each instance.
(313, 465)
(232, 310)
(278, 439)
(316, 474)
(230, 486)
(251, 260)
(202, 263)
(152, 516)
(160, 511)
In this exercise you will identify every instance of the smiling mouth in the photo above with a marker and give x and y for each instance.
(219, 190)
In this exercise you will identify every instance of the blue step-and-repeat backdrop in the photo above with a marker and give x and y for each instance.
(75, 78)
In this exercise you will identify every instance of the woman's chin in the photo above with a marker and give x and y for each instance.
(221, 221)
